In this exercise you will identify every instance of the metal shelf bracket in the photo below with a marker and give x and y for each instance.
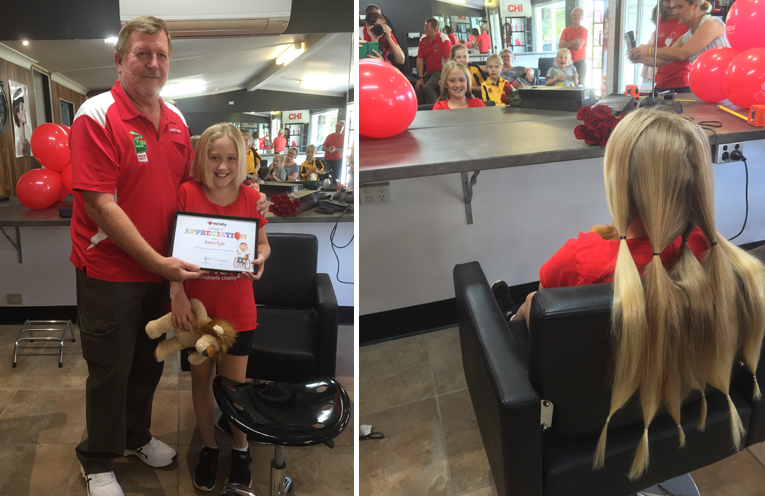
(467, 192)
(17, 243)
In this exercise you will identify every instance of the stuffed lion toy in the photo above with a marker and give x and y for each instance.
(211, 337)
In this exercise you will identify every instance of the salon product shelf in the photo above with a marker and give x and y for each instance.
(448, 142)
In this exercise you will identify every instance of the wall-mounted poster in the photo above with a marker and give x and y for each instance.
(22, 126)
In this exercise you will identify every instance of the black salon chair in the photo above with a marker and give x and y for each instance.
(541, 397)
(283, 415)
(544, 65)
(296, 337)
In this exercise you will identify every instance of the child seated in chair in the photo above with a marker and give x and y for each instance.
(659, 190)
(311, 169)
(564, 73)
(455, 88)
(494, 87)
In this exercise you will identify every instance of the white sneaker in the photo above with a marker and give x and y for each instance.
(102, 484)
(155, 453)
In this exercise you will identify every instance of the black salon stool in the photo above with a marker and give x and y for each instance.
(283, 414)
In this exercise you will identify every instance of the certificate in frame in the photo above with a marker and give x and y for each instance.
(217, 243)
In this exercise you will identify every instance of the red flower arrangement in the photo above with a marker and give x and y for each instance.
(510, 95)
(282, 206)
(598, 123)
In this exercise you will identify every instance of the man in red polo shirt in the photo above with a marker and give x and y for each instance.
(574, 38)
(333, 151)
(433, 52)
(482, 42)
(130, 154)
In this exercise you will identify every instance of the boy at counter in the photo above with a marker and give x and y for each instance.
(311, 165)
(494, 86)
(253, 157)
(564, 74)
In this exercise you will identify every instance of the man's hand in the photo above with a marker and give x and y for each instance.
(176, 270)
(386, 30)
(374, 55)
(576, 78)
(262, 205)
(419, 84)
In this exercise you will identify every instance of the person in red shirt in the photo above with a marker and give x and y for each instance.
(219, 169)
(672, 76)
(448, 32)
(378, 31)
(130, 153)
(574, 38)
(433, 51)
(456, 90)
(473, 34)
(280, 142)
(672, 272)
(482, 42)
(333, 151)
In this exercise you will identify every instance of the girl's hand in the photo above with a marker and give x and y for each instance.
(576, 78)
(386, 29)
(374, 55)
(183, 317)
(260, 263)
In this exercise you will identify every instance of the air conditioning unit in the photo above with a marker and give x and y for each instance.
(213, 19)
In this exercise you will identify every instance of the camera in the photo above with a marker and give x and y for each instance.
(377, 29)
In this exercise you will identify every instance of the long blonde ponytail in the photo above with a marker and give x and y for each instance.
(680, 331)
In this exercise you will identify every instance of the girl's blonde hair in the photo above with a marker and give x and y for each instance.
(200, 168)
(278, 157)
(448, 67)
(564, 51)
(683, 330)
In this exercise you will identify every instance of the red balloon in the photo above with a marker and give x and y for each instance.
(744, 80)
(38, 188)
(707, 72)
(387, 100)
(745, 26)
(50, 146)
(66, 178)
(63, 193)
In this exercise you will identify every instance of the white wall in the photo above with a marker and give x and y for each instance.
(47, 277)
(522, 215)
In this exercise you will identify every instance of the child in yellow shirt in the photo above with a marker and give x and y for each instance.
(311, 165)
(494, 86)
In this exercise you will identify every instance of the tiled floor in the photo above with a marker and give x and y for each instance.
(42, 419)
(413, 390)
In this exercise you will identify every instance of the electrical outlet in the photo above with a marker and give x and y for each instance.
(14, 299)
(723, 152)
(372, 194)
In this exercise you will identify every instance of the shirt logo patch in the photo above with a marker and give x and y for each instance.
(175, 131)
(142, 157)
(139, 144)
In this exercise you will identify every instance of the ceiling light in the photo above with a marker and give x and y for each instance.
(183, 89)
(25, 42)
(111, 39)
(318, 83)
(291, 53)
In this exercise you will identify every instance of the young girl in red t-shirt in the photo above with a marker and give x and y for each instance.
(219, 168)
(702, 298)
(456, 88)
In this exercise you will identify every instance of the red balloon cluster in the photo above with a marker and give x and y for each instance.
(40, 188)
(388, 103)
(736, 73)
